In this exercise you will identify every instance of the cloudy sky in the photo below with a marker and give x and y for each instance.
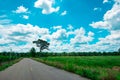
(68, 25)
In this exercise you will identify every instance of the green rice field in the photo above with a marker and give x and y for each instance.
(92, 67)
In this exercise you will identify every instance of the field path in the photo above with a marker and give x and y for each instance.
(28, 69)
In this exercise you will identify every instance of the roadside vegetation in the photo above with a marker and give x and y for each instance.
(92, 67)
(7, 64)
(8, 58)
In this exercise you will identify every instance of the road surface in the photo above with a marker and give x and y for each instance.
(28, 69)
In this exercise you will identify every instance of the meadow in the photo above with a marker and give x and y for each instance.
(92, 67)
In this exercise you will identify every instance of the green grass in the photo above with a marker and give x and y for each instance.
(93, 67)
(6, 64)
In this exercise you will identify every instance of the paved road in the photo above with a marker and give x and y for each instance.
(28, 69)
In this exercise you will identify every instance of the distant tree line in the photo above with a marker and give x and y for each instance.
(33, 53)
(8, 56)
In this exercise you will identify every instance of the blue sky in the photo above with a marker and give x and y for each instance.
(67, 25)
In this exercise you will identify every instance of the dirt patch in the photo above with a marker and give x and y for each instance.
(116, 68)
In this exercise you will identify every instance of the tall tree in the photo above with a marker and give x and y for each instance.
(42, 44)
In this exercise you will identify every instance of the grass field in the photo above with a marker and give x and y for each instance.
(92, 67)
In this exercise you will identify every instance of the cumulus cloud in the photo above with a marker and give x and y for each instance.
(25, 17)
(81, 38)
(101, 25)
(110, 43)
(59, 41)
(20, 35)
(46, 6)
(59, 35)
(63, 13)
(111, 18)
(21, 9)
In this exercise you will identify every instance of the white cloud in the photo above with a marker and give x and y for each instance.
(59, 35)
(112, 37)
(97, 9)
(63, 13)
(108, 1)
(21, 9)
(111, 18)
(109, 43)
(20, 36)
(25, 17)
(101, 25)
(81, 37)
(70, 30)
(57, 27)
(105, 1)
(70, 27)
(46, 6)
(110, 22)
(90, 33)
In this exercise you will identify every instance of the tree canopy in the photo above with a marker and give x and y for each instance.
(42, 44)
(32, 52)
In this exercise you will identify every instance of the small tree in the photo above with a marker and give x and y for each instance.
(32, 52)
(42, 44)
